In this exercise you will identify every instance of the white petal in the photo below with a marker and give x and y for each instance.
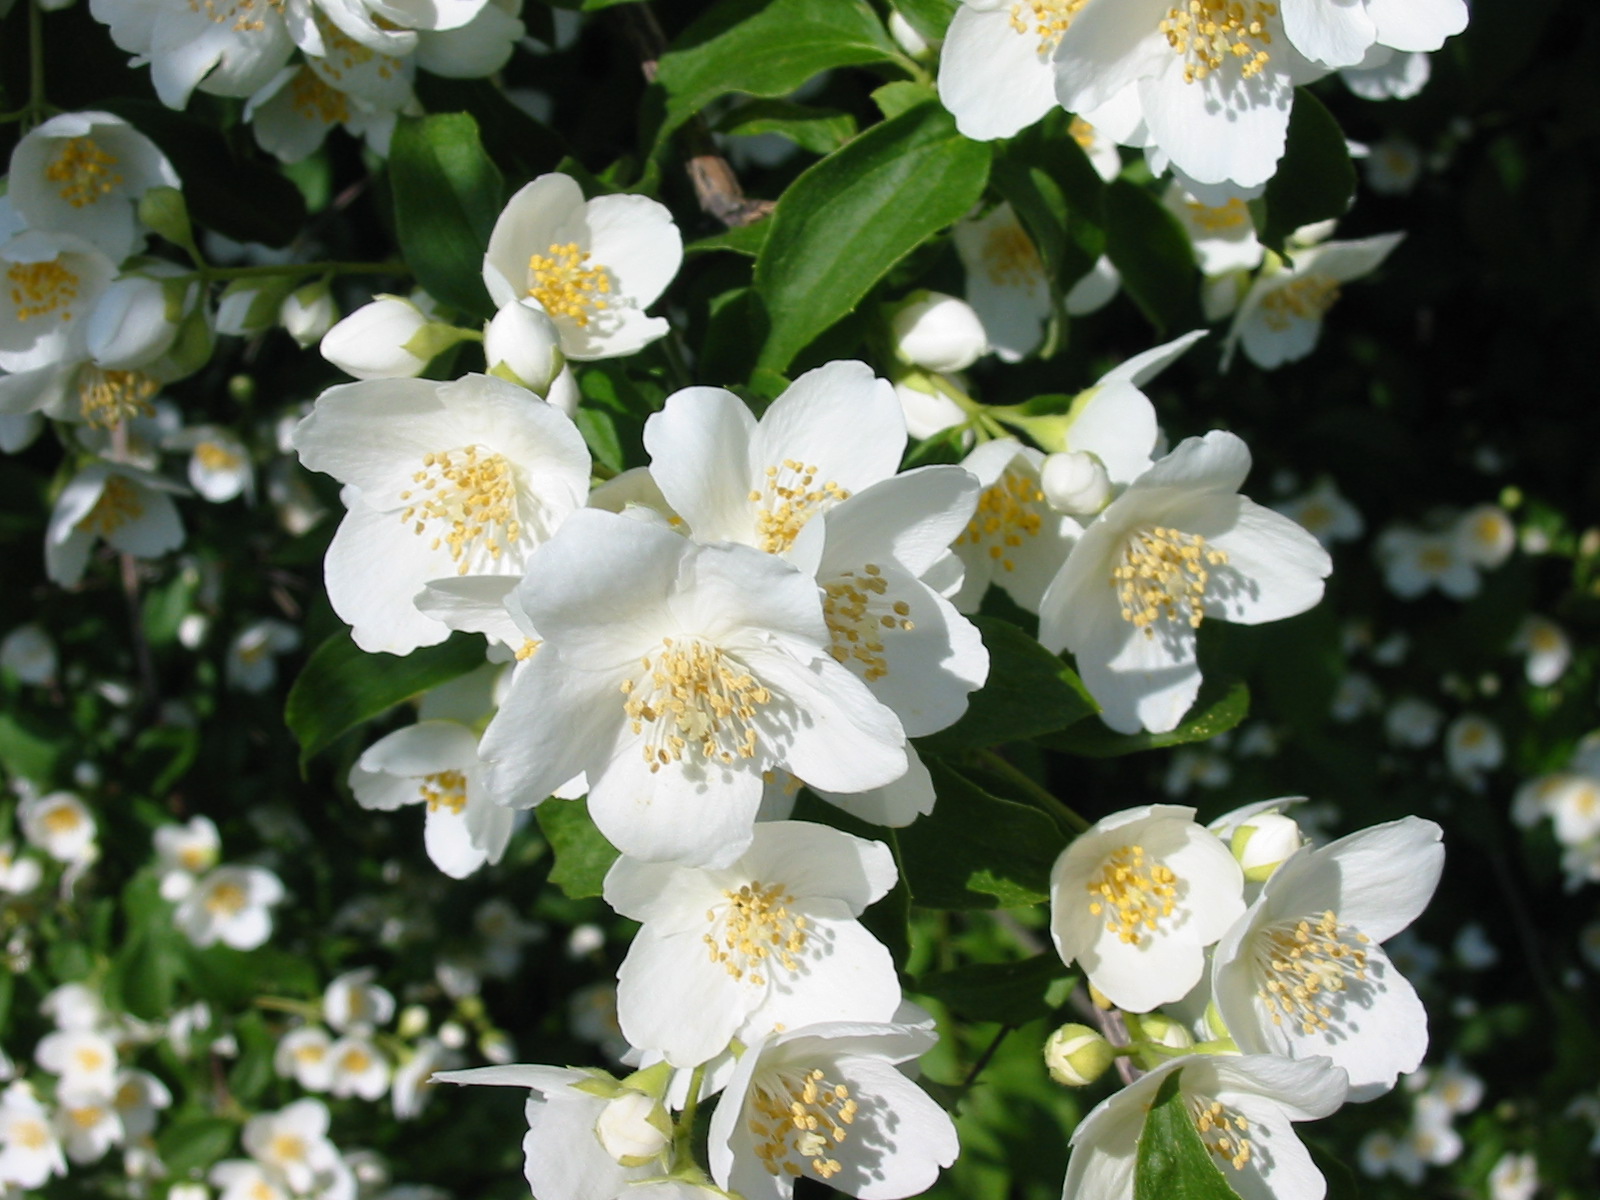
(991, 77)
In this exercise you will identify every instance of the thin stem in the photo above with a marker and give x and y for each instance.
(977, 1067)
(685, 1128)
(310, 1009)
(1047, 799)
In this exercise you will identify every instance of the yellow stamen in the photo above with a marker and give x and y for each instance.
(41, 288)
(1163, 574)
(1209, 33)
(1303, 963)
(789, 498)
(566, 284)
(755, 926)
(800, 1115)
(694, 697)
(83, 172)
(1133, 893)
(474, 497)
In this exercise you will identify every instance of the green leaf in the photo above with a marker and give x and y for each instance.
(447, 196)
(741, 239)
(1315, 177)
(600, 434)
(852, 216)
(1173, 1163)
(195, 1143)
(819, 130)
(901, 96)
(583, 856)
(1030, 692)
(69, 962)
(342, 685)
(1148, 246)
(522, 146)
(766, 49)
(930, 18)
(1012, 993)
(1057, 194)
(976, 850)
(28, 749)
(1221, 705)
(144, 974)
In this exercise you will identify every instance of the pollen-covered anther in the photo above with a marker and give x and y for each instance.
(1009, 257)
(1222, 1131)
(444, 789)
(695, 699)
(800, 1115)
(108, 398)
(313, 99)
(1307, 298)
(858, 615)
(1133, 893)
(753, 929)
(1218, 218)
(83, 172)
(226, 899)
(1209, 33)
(1045, 19)
(790, 496)
(567, 284)
(475, 497)
(1303, 963)
(1163, 574)
(118, 504)
(41, 288)
(1007, 512)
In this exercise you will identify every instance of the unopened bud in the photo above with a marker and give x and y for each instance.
(1076, 1055)
(1075, 482)
(163, 211)
(938, 332)
(1263, 843)
(131, 325)
(1162, 1030)
(521, 344)
(308, 313)
(633, 1128)
(413, 1021)
(374, 342)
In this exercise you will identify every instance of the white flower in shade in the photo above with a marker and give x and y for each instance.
(184, 852)
(593, 266)
(1094, 289)
(138, 1098)
(383, 339)
(303, 1054)
(292, 114)
(29, 653)
(1325, 514)
(1178, 546)
(76, 1006)
(413, 1082)
(1243, 1108)
(1014, 540)
(129, 509)
(1472, 743)
(1137, 898)
(1572, 801)
(86, 1120)
(52, 283)
(231, 905)
(1280, 318)
(1412, 722)
(674, 675)
(480, 47)
(243, 1179)
(770, 941)
(18, 876)
(30, 1150)
(444, 479)
(1006, 281)
(252, 662)
(83, 174)
(1413, 561)
(1385, 74)
(308, 313)
(1457, 1089)
(828, 1102)
(1223, 235)
(1098, 146)
(1392, 166)
(84, 1058)
(1341, 35)
(352, 1003)
(230, 49)
(59, 824)
(937, 332)
(1432, 1138)
(1485, 536)
(1548, 648)
(219, 463)
(1303, 973)
(1514, 1177)
(293, 1144)
(1379, 1154)
(357, 1068)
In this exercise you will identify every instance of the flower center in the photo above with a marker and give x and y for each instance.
(1304, 299)
(566, 284)
(1219, 219)
(694, 696)
(474, 497)
(1132, 893)
(286, 1148)
(1007, 512)
(84, 172)
(1209, 32)
(62, 819)
(226, 899)
(118, 504)
(858, 616)
(87, 1117)
(444, 789)
(31, 1134)
(1163, 574)
(343, 54)
(214, 456)
(246, 16)
(1303, 963)
(108, 398)
(800, 1116)
(1010, 258)
(1045, 19)
(40, 288)
(355, 1060)
(1222, 1131)
(89, 1059)
(315, 100)
(310, 1053)
(789, 498)
(196, 858)
(756, 925)
(1081, 132)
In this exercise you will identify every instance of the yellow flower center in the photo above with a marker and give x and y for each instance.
(789, 498)
(1305, 299)
(858, 616)
(1209, 33)
(474, 497)
(1222, 1131)
(1045, 19)
(315, 100)
(226, 899)
(1218, 219)
(41, 288)
(83, 172)
(694, 697)
(311, 1052)
(89, 1059)
(444, 789)
(755, 925)
(118, 504)
(62, 819)
(286, 1148)
(196, 858)
(800, 1116)
(1082, 132)
(1132, 893)
(1163, 574)
(88, 1116)
(355, 1060)
(245, 16)
(566, 284)
(1007, 512)
(108, 398)
(1010, 257)
(343, 55)
(31, 1134)
(1303, 964)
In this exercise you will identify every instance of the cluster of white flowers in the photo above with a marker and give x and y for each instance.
(1570, 798)
(215, 903)
(1438, 1098)
(1448, 556)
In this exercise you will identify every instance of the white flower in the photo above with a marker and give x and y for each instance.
(138, 1097)
(85, 1059)
(1392, 166)
(1006, 281)
(1472, 743)
(59, 824)
(357, 1068)
(1137, 898)
(130, 510)
(252, 663)
(1385, 74)
(445, 479)
(1094, 289)
(1223, 236)
(18, 876)
(352, 1003)
(29, 653)
(1485, 536)
(242, 1179)
(52, 283)
(1380, 1154)
(522, 344)
(1178, 546)
(1325, 514)
(219, 463)
(1548, 648)
(937, 332)
(994, 68)
(184, 852)
(293, 1144)
(1303, 973)
(75, 1006)
(1413, 561)
(1412, 722)
(303, 1053)
(785, 948)
(132, 324)
(1514, 1177)
(86, 1119)
(231, 905)
(1242, 1108)
(592, 266)
(30, 1151)
(1456, 1088)
(1015, 539)
(674, 675)
(1340, 35)
(867, 1130)
(413, 1082)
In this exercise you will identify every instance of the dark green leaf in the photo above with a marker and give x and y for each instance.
(600, 433)
(901, 96)
(1030, 692)
(819, 130)
(741, 239)
(930, 18)
(1221, 705)
(70, 961)
(447, 195)
(1058, 196)
(521, 145)
(1315, 177)
(28, 750)
(252, 1072)
(583, 856)
(144, 974)
(1342, 1184)
(1012, 993)
(1149, 247)
(195, 1143)
(1173, 1163)
(976, 850)
(853, 215)
(342, 685)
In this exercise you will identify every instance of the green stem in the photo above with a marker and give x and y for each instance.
(684, 1131)
(1047, 799)
(208, 274)
(311, 1010)
(977, 1067)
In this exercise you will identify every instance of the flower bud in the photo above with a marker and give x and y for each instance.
(1075, 482)
(413, 1021)
(521, 344)
(308, 313)
(633, 1129)
(130, 326)
(250, 306)
(1162, 1030)
(905, 36)
(938, 332)
(1263, 843)
(1076, 1055)
(162, 210)
(373, 341)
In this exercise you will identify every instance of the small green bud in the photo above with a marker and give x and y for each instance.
(1164, 1031)
(413, 1021)
(1262, 844)
(1076, 1055)
(163, 210)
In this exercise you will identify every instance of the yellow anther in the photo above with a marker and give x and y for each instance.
(1222, 1131)
(800, 1115)
(83, 172)
(62, 819)
(444, 789)
(313, 99)
(226, 899)
(1220, 218)
(214, 456)
(1306, 299)
(695, 699)
(1046, 20)
(1132, 893)
(1008, 511)
(244, 16)
(41, 288)
(789, 498)
(1163, 574)
(1302, 963)
(1010, 257)
(118, 504)
(753, 929)
(857, 616)
(108, 398)
(566, 284)
(473, 496)
(1210, 33)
